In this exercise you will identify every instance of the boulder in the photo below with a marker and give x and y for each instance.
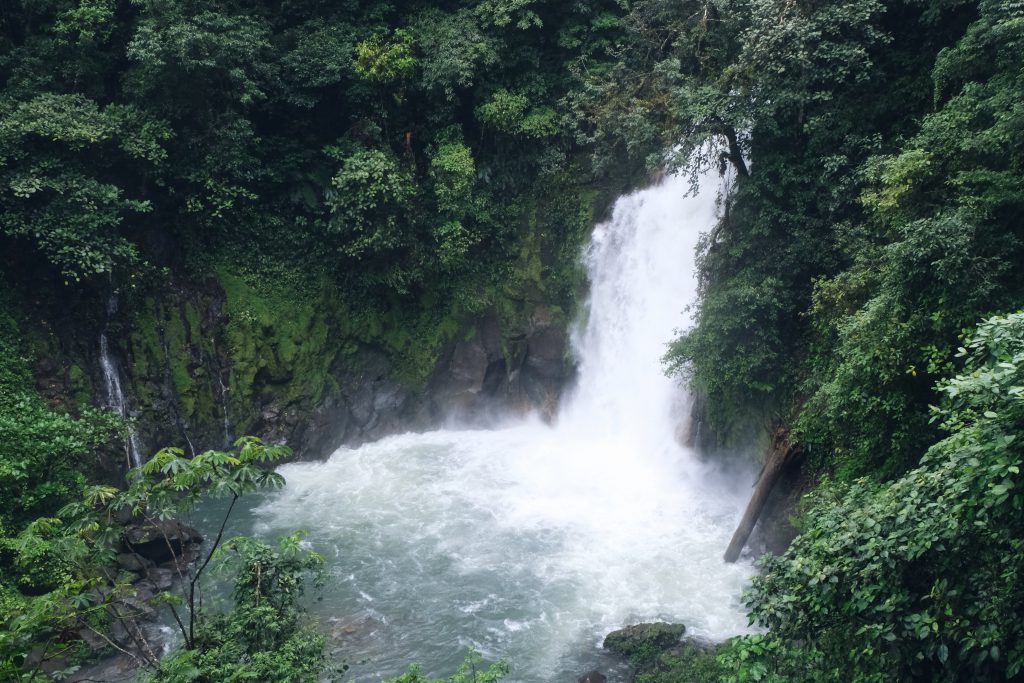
(162, 541)
(644, 641)
(181, 561)
(133, 562)
(137, 607)
(161, 578)
(92, 639)
(594, 676)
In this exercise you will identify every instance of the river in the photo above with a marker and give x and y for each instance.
(530, 542)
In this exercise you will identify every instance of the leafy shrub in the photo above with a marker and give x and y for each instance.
(920, 578)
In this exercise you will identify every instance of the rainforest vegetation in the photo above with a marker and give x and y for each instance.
(406, 166)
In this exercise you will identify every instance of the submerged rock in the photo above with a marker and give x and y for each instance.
(594, 676)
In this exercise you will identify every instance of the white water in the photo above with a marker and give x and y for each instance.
(112, 383)
(532, 542)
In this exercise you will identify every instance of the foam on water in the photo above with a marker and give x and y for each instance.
(533, 541)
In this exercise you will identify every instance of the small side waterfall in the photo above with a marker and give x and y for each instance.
(112, 384)
(224, 409)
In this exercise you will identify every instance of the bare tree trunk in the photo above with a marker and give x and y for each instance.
(779, 455)
(735, 152)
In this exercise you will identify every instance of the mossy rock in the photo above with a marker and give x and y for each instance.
(644, 642)
(80, 385)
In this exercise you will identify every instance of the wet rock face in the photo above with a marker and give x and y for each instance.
(486, 373)
(208, 361)
(497, 370)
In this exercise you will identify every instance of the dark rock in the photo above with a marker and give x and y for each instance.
(594, 676)
(496, 363)
(133, 562)
(161, 541)
(642, 641)
(545, 352)
(144, 590)
(119, 632)
(161, 578)
(183, 559)
(467, 367)
(92, 639)
(114, 669)
(389, 398)
(137, 607)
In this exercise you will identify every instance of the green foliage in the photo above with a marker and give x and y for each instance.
(264, 636)
(454, 171)
(58, 187)
(180, 57)
(382, 61)
(368, 203)
(179, 132)
(742, 374)
(511, 113)
(943, 248)
(45, 455)
(43, 452)
(322, 57)
(454, 49)
(687, 663)
(90, 20)
(466, 673)
(869, 231)
(918, 578)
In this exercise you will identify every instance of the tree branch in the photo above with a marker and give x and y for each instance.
(199, 572)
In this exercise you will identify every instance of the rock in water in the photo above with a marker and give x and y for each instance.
(594, 676)
(644, 640)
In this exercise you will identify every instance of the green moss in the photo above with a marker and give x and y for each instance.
(80, 385)
(146, 351)
(177, 347)
(192, 320)
(280, 336)
(644, 642)
(166, 343)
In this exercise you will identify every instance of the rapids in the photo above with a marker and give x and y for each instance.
(531, 542)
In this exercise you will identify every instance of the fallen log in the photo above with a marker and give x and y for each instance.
(780, 454)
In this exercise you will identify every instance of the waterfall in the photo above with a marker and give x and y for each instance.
(224, 409)
(531, 542)
(114, 397)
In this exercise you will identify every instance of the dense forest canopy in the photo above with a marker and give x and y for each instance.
(424, 162)
(386, 142)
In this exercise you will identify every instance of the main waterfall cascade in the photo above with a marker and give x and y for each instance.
(532, 542)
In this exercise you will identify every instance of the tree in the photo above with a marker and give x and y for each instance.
(264, 635)
(920, 578)
(466, 673)
(66, 167)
